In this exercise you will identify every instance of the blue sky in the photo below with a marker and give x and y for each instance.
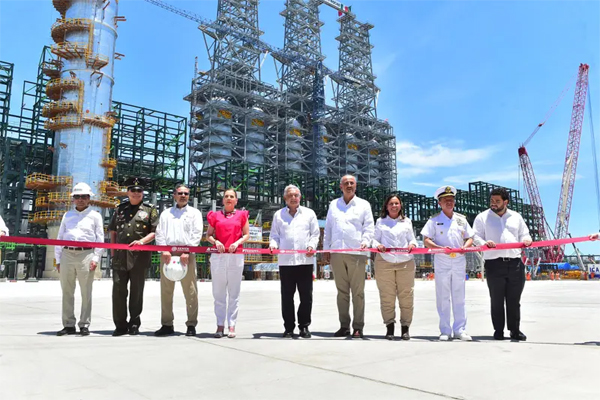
(463, 82)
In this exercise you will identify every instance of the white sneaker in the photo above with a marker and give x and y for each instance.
(464, 336)
(444, 338)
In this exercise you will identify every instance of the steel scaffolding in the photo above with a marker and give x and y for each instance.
(6, 77)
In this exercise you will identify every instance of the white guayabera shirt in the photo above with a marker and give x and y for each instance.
(348, 225)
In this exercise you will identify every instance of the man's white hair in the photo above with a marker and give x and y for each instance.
(290, 187)
(348, 175)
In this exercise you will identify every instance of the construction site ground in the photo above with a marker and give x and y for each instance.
(559, 360)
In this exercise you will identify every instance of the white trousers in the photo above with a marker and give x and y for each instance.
(226, 272)
(450, 292)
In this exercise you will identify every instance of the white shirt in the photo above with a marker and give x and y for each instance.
(509, 228)
(81, 226)
(348, 225)
(451, 232)
(394, 232)
(3, 226)
(297, 232)
(179, 227)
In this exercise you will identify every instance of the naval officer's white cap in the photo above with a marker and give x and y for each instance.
(445, 191)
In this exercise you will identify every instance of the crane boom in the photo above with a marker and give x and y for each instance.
(535, 199)
(568, 180)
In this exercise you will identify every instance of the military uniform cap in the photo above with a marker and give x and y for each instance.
(445, 191)
(135, 182)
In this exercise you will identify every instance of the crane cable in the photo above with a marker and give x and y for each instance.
(551, 110)
(594, 155)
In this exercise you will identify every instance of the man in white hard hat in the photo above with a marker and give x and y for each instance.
(448, 229)
(80, 224)
(179, 226)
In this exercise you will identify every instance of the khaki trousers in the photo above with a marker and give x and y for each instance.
(349, 276)
(72, 270)
(190, 292)
(395, 280)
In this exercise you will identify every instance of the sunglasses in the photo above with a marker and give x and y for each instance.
(136, 190)
(183, 194)
(81, 196)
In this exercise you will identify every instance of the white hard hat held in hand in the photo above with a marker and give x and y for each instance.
(82, 189)
(175, 270)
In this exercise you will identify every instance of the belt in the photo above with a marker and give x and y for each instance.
(76, 248)
(505, 259)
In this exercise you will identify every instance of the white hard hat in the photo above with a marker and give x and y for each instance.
(82, 188)
(175, 270)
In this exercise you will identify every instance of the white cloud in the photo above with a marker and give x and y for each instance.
(409, 172)
(439, 155)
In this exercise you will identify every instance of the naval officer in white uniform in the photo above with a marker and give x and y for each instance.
(449, 229)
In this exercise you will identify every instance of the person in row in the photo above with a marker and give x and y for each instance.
(505, 271)
(349, 225)
(449, 229)
(395, 273)
(180, 225)
(134, 223)
(295, 227)
(81, 224)
(228, 229)
(3, 228)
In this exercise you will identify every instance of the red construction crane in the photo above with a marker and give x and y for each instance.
(556, 254)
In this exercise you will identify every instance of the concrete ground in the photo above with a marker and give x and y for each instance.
(561, 358)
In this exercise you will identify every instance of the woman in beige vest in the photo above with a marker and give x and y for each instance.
(395, 273)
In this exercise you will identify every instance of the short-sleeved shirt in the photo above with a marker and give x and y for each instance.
(228, 228)
(132, 222)
(446, 231)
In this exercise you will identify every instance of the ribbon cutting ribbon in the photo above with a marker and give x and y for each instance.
(212, 250)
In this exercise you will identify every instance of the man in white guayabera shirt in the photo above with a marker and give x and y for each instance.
(295, 227)
(180, 225)
(505, 272)
(80, 224)
(349, 225)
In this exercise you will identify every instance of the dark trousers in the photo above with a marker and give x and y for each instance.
(505, 280)
(293, 276)
(137, 277)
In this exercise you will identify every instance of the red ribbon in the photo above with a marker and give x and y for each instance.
(212, 250)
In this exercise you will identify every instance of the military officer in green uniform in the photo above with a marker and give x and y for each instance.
(132, 223)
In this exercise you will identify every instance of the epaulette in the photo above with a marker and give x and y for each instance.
(461, 215)
(145, 203)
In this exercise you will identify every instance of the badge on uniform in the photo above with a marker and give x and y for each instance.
(143, 214)
(440, 223)
(452, 255)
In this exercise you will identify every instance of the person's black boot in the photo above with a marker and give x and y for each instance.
(405, 335)
(390, 332)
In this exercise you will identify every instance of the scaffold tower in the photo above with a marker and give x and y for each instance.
(367, 146)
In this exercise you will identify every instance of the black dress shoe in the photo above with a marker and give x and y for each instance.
(134, 330)
(69, 330)
(84, 331)
(119, 332)
(389, 334)
(520, 336)
(498, 335)
(191, 331)
(342, 332)
(287, 335)
(305, 333)
(164, 331)
(405, 334)
(358, 333)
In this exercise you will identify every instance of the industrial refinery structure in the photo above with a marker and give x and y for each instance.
(243, 132)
